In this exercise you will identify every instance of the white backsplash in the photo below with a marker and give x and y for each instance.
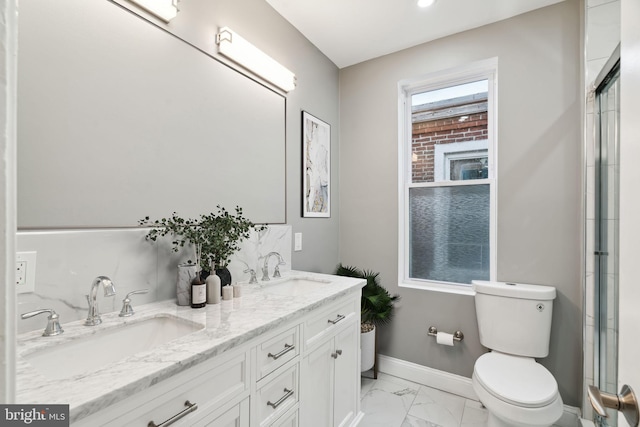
(68, 261)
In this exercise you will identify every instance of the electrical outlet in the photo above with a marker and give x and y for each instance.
(21, 273)
(297, 245)
(26, 272)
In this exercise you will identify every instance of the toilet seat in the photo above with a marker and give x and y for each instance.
(516, 380)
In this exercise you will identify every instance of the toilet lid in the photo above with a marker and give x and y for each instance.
(516, 380)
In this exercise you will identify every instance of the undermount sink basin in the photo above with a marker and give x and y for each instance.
(90, 352)
(294, 286)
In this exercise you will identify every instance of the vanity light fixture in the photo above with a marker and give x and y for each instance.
(425, 3)
(234, 47)
(163, 9)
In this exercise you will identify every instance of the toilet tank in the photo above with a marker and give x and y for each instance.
(514, 318)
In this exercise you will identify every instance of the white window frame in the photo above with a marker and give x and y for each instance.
(481, 70)
(463, 155)
(444, 153)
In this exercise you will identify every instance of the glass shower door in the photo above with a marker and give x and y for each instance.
(606, 236)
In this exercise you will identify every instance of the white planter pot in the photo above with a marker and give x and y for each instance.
(367, 350)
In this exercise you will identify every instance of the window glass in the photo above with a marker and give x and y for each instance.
(449, 232)
(448, 121)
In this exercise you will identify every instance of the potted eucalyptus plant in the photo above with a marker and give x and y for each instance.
(214, 237)
(376, 309)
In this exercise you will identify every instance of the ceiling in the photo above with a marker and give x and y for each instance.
(353, 31)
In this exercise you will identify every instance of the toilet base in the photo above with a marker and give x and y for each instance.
(494, 421)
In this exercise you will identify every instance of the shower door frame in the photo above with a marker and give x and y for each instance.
(606, 246)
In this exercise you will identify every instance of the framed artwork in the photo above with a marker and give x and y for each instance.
(316, 167)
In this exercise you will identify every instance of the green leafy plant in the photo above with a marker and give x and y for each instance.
(377, 305)
(214, 236)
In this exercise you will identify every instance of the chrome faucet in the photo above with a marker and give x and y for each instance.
(93, 318)
(265, 267)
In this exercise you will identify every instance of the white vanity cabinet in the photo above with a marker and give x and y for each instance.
(330, 370)
(303, 373)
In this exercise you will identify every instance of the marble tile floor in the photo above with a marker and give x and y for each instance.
(394, 402)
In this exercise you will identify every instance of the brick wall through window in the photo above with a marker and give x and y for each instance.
(445, 122)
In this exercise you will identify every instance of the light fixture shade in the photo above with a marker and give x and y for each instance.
(234, 47)
(163, 9)
(425, 3)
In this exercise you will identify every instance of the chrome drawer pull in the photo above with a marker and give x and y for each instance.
(287, 349)
(288, 394)
(337, 319)
(190, 408)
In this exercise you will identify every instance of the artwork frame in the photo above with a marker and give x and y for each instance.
(316, 167)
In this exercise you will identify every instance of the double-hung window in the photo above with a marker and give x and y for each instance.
(447, 178)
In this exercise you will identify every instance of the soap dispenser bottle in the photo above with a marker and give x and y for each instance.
(198, 293)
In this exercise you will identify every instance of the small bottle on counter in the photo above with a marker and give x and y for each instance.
(198, 293)
(213, 288)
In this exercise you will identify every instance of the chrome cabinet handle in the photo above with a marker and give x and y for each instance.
(287, 349)
(288, 393)
(336, 354)
(190, 407)
(337, 319)
(624, 402)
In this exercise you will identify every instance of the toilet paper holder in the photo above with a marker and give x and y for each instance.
(457, 335)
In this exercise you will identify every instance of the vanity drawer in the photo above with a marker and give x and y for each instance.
(277, 396)
(277, 351)
(207, 386)
(290, 419)
(319, 326)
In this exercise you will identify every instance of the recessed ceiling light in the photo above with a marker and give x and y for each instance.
(425, 3)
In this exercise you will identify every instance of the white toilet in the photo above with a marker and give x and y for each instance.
(514, 321)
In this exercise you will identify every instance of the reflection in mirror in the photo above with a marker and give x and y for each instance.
(118, 119)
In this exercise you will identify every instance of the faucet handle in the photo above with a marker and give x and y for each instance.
(276, 272)
(127, 310)
(253, 278)
(53, 323)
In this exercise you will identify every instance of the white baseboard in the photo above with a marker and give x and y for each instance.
(452, 383)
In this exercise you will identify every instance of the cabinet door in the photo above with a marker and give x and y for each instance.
(347, 377)
(316, 399)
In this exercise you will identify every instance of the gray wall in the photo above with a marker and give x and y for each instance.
(539, 201)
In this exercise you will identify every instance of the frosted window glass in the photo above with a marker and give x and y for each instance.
(449, 233)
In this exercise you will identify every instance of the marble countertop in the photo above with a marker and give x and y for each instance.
(224, 326)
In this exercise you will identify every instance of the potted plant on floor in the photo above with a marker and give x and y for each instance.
(376, 309)
(213, 237)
